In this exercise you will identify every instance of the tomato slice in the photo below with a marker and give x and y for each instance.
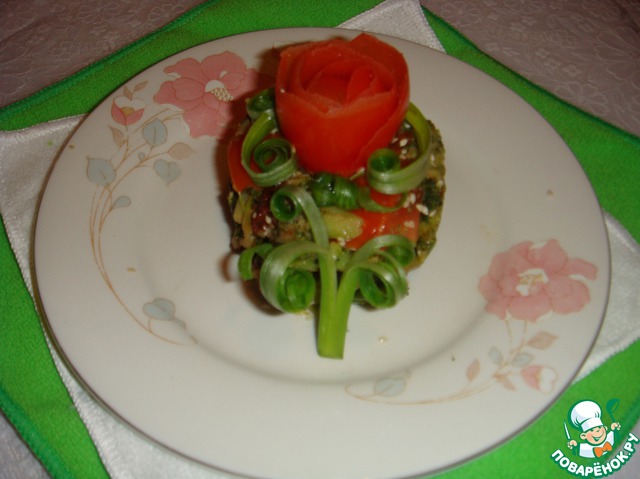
(240, 179)
(404, 221)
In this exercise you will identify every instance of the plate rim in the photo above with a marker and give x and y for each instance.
(87, 387)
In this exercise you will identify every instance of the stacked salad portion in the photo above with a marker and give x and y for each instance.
(337, 183)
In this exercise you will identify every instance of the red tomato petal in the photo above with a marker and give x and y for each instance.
(404, 221)
(239, 177)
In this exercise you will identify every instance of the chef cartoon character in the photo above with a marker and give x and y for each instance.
(586, 416)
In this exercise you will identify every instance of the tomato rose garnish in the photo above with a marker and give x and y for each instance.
(338, 101)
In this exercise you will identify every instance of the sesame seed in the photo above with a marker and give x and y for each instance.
(404, 142)
(410, 200)
(410, 224)
(422, 209)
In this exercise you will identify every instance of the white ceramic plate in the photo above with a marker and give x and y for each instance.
(132, 267)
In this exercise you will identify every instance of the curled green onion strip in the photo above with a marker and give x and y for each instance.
(286, 204)
(382, 284)
(398, 246)
(289, 201)
(421, 128)
(384, 172)
(245, 262)
(288, 288)
(256, 105)
(275, 157)
(328, 189)
(376, 270)
(272, 153)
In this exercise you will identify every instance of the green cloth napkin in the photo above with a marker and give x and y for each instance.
(610, 157)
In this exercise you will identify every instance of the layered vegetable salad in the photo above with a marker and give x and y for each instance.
(337, 184)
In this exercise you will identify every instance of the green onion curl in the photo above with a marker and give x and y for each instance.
(380, 264)
(384, 171)
(382, 283)
(293, 289)
(245, 262)
(274, 156)
(290, 201)
(377, 271)
(328, 189)
(398, 246)
(421, 128)
(257, 104)
(286, 204)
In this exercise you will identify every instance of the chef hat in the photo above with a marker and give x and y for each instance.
(586, 415)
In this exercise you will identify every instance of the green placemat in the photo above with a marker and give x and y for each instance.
(52, 429)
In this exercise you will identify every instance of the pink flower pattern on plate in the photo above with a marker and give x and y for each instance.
(207, 92)
(529, 281)
(523, 284)
(126, 110)
(539, 377)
